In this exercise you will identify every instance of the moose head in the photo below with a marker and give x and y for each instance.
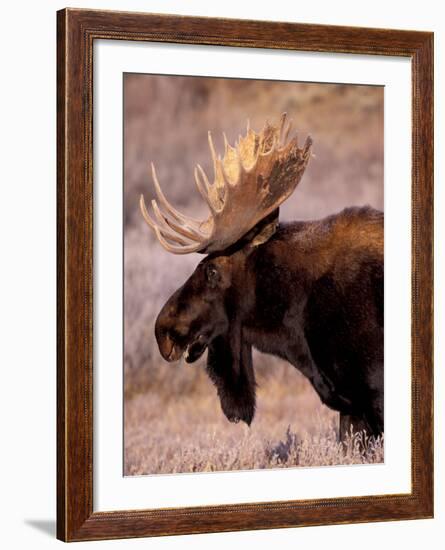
(211, 308)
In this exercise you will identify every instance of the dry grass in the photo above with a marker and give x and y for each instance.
(173, 420)
(184, 430)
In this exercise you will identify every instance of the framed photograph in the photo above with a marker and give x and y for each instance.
(245, 229)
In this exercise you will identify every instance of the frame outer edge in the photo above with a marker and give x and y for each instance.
(74, 275)
(61, 305)
(76, 30)
(423, 265)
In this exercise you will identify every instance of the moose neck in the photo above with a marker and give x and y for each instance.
(270, 309)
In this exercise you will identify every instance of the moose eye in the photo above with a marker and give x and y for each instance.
(212, 274)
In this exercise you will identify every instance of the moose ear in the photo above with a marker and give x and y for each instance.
(264, 230)
(229, 366)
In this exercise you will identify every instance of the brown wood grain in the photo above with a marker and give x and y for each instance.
(76, 32)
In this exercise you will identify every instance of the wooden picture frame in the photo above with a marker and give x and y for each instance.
(76, 32)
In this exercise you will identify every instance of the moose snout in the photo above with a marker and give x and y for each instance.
(184, 329)
(170, 351)
(170, 342)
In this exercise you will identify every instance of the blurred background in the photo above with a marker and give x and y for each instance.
(173, 422)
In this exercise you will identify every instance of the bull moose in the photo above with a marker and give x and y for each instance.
(310, 292)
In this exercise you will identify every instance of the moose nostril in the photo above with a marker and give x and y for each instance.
(165, 341)
(167, 346)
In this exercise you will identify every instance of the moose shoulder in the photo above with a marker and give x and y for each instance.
(318, 290)
(308, 292)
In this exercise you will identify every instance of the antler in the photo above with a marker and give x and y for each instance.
(250, 181)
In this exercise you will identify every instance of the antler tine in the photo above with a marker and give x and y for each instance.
(203, 188)
(220, 180)
(182, 249)
(231, 165)
(145, 213)
(212, 147)
(287, 131)
(175, 249)
(226, 143)
(307, 146)
(220, 183)
(171, 209)
(154, 225)
(172, 226)
(207, 184)
(283, 134)
(267, 152)
(283, 118)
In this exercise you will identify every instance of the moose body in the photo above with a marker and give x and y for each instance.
(308, 292)
(312, 295)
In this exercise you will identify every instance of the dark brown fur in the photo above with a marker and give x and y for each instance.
(312, 295)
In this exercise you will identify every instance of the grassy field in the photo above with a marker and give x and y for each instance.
(183, 429)
(173, 420)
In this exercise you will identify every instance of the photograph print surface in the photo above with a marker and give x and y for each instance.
(253, 274)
